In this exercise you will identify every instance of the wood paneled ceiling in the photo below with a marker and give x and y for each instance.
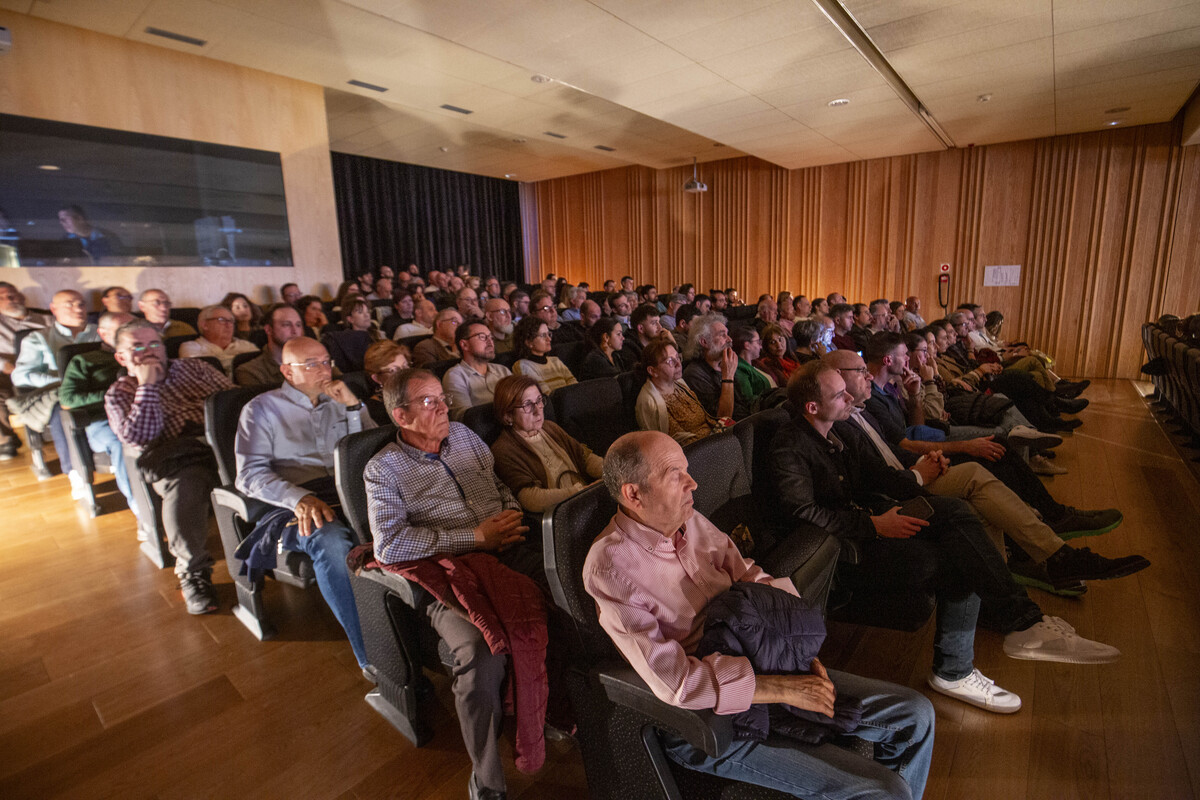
(663, 81)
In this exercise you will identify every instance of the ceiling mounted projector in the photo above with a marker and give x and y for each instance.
(694, 185)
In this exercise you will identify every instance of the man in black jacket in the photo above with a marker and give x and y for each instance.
(838, 482)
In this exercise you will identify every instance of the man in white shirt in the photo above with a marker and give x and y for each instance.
(424, 314)
(216, 338)
(472, 381)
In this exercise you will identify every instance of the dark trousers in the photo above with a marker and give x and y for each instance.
(185, 509)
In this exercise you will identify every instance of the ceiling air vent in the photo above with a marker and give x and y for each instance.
(176, 37)
(365, 85)
(456, 109)
(606, 148)
(555, 135)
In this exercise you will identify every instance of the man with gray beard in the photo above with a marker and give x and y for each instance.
(498, 315)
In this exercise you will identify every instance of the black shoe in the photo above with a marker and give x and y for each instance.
(1071, 389)
(1070, 564)
(477, 792)
(8, 452)
(1078, 522)
(1058, 425)
(198, 594)
(1064, 406)
(1030, 573)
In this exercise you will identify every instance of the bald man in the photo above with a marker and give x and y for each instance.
(37, 365)
(156, 307)
(284, 449)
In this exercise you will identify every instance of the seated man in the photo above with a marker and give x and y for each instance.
(433, 492)
(216, 338)
(84, 383)
(1045, 560)
(117, 300)
(498, 317)
(284, 448)
(14, 317)
(424, 316)
(282, 324)
(156, 308)
(37, 364)
(440, 346)
(472, 381)
(653, 572)
(712, 368)
(842, 485)
(644, 327)
(542, 306)
(158, 410)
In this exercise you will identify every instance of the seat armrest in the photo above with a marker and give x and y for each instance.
(850, 553)
(245, 507)
(85, 415)
(409, 592)
(702, 729)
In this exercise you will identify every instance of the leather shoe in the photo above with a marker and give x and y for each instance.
(1065, 406)
(477, 792)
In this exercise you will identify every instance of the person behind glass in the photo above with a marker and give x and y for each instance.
(281, 323)
(284, 453)
(289, 293)
(160, 402)
(666, 403)
(539, 461)
(441, 346)
(117, 300)
(433, 492)
(653, 572)
(96, 242)
(532, 337)
(216, 338)
(247, 315)
(383, 358)
(604, 357)
(775, 361)
(312, 313)
(156, 306)
(472, 381)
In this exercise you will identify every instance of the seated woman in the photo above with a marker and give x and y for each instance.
(247, 317)
(776, 362)
(807, 335)
(348, 347)
(535, 458)
(603, 359)
(532, 340)
(751, 384)
(666, 403)
(312, 313)
(381, 360)
(786, 309)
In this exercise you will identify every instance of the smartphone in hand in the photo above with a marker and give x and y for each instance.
(917, 507)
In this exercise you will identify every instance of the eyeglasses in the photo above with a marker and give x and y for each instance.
(159, 303)
(860, 370)
(222, 320)
(482, 336)
(432, 401)
(311, 366)
(541, 336)
(141, 348)
(539, 309)
(122, 296)
(669, 362)
(503, 312)
(530, 405)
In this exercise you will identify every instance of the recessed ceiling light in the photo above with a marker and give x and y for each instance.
(456, 109)
(364, 85)
(983, 98)
(841, 101)
(540, 78)
(510, 174)
(48, 167)
(176, 37)
(444, 149)
(1117, 110)
(555, 135)
(520, 141)
(1114, 122)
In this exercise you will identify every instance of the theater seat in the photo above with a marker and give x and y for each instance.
(593, 412)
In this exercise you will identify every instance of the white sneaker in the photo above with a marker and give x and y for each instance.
(979, 691)
(78, 485)
(1044, 466)
(1025, 436)
(1053, 639)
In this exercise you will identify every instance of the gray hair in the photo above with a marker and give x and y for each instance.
(577, 291)
(207, 312)
(958, 316)
(702, 328)
(676, 298)
(136, 324)
(625, 463)
(806, 331)
(395, 388)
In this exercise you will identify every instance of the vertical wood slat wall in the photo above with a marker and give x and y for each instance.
(1105, 225)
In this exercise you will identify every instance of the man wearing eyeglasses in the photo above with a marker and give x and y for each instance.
(284, 450)
(543, 307)
(434, 492)
(472, 381)
(160, 402)
(117, 300)
(498, 316)
(156, 308)
(216, 338)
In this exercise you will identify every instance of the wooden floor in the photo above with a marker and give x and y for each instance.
(109, 689)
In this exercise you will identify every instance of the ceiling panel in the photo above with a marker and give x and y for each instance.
(662, 81)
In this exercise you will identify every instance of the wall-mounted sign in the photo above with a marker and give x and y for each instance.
(1009, 275)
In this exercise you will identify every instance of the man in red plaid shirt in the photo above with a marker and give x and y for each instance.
(157, 402)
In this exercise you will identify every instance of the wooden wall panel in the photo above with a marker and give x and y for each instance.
(68, 74)
(1105, 225)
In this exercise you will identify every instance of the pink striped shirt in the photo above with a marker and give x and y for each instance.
(652, 591)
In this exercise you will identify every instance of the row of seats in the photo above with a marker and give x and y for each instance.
(1179, 385)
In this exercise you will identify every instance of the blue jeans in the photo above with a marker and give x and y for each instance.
(58, 435)
(101, 439)
(328, 547)
(897, 719)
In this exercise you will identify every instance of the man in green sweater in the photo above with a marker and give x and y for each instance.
(84, 382)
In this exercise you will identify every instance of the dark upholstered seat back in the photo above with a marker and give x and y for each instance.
(350, 459)
(593, 412)
(221, 413)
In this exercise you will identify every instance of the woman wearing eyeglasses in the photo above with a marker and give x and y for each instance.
(537, 459)
(666, 403)
(603, 359)
(532, 337)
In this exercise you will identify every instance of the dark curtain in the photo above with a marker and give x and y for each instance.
(401, 214)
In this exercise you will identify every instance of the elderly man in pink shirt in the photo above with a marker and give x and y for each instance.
(654, 570)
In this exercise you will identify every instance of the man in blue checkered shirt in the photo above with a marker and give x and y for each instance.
(433, 492)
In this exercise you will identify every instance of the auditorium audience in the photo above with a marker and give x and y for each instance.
(711, 366)
(645, 325)
(14, 317)
(216, 338)
(775, 361)
(532, 338)
(498, 316)
(539, 462)
(666, 403)
(155, 306)
(473, 380)
(544, 309)
(425, 315)
(605, 357)
(117, 299)
(440, 346)
(312, 313)
(246, 314)
(281, 323)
